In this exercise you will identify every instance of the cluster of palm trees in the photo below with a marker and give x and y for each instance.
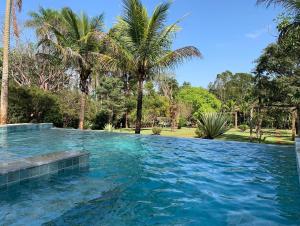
(139, 45)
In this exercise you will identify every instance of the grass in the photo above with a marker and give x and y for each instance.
(270, 136)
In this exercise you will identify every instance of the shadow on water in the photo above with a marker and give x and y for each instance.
(91, 212)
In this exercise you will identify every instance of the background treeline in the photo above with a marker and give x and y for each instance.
(125, 75)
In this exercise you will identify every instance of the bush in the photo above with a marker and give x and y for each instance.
(243, 127)
(156, 130)
(100, 120)
(212, 124)
(199, 133)
(182, 122)
(33, 105)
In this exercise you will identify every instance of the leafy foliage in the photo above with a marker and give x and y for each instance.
(33, 105)
(200, 99)
(243, 127)
(156, 130)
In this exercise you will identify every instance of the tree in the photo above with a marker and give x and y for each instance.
(292, 7)
(278, 75)
(143, 43)
(32, 69)
(10, 10)
(200, 99)
(76, 38)
(169, 87)
(111, 97)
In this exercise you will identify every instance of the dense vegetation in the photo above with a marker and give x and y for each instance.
(79, 75)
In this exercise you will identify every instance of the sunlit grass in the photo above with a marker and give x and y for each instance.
(270, 136)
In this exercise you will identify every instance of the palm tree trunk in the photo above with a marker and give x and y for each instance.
(4, 86)
(84, 76)
(82, 110)
(235, 120)
(139, 108)
(251, 124)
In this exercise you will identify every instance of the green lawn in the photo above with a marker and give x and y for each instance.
(270, 136)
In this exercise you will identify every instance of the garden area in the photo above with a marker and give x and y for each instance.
(77, 74)
(132, 120)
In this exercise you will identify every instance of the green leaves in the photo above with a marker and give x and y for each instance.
(74, 37)
(144, 41)
(212, 124)
(200, 99)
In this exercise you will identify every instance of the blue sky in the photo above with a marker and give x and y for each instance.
(230, 33)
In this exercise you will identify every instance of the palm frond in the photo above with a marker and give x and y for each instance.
(71, 21)
(136, 17)
(16, 6)
(172, 58)
(290, 5)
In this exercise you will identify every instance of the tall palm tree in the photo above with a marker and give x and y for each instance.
(292, 7)
(75, 38)
(10, 11)
(142, 45)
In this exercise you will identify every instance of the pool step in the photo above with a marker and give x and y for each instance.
(32, 167)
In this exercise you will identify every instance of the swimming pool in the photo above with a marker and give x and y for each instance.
(151, 180)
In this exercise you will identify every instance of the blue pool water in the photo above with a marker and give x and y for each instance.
(150, 180)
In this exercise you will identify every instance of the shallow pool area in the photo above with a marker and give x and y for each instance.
(153, 180)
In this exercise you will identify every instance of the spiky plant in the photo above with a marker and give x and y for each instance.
(109, 127)
(212, 125)
(141, 45)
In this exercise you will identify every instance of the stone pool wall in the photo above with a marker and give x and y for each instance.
(32, 167)
(24, 127)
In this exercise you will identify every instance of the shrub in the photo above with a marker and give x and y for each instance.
(181, 123)
(33, 105)
(101, 120)
(156, 130)
(199, 133)
(212, 125)
(243, 127)
(109, 127)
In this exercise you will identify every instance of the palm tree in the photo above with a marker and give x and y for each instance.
(141, 44)
(75, 38)
(292, 7)
(10, 10)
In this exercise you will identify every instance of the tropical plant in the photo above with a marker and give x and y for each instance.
(292, 7)
(109, 127)
(141, 44)
(10, 11)
(243, 127)
(75, 38)
(212, 125)
(156, 130)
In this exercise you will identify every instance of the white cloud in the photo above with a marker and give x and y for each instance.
(258, 33)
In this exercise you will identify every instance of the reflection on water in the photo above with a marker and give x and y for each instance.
(147, 180)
